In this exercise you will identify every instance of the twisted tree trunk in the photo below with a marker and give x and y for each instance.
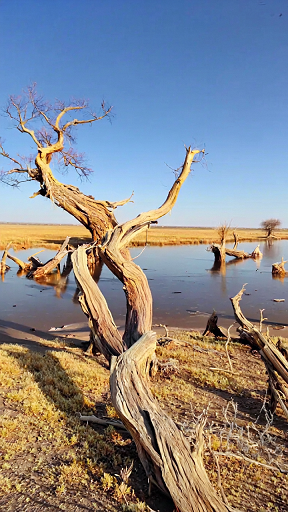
(164, 452)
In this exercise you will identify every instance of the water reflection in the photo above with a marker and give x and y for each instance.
(270, 249)
(204, 286)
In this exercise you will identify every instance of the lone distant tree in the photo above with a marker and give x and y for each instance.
(270, 225)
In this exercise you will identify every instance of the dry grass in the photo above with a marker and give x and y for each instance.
(238, 426)
(24, 236)
(49, 457)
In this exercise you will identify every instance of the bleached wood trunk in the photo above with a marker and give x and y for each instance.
(278, 269)
(164, 452)
(54, 262)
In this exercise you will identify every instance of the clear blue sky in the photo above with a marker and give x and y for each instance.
(199, 72)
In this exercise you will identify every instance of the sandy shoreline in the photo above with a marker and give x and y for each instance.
(77, 333)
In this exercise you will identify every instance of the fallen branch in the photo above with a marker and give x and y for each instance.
(43, 270)
(275, 362)
(100, 421)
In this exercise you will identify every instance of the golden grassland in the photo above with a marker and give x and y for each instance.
(50, 459)
(24, 236)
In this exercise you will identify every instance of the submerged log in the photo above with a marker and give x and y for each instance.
(220, 251)
(278, 269)
(237, 254)
(163, 450)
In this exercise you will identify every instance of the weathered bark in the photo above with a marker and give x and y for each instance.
(236, 240)
(22, 265)
(237, 254)
(3, 266)
(275, 362)
(278, 269)
(219, 253)
(212, 327)
(163, 450)
(96, 216)
(93, 214)
(94, 305)
(136, 287)
(256, 254)
(43, 270)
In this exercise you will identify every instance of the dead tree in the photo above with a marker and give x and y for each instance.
(275, 362)
(278, 269)
(49, 132)
(164, 452)
(219, 249)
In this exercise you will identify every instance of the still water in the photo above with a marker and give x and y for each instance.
(182, 282)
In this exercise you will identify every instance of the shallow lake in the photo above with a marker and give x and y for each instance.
(182, 282)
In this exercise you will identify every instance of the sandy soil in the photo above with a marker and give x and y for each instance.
(78, 333)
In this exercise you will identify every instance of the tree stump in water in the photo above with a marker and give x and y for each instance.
(278, 269)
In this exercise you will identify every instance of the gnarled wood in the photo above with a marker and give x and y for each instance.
(256, 254)
(163, 450)
(22, 265)
(275, 362)
(94, 305)
(43, 270)
(138, 294)
(220, 251)
(236, 240)
(278, 269)
(3, 266)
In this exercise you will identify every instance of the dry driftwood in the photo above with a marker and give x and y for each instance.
(163, 450)
(275, 362)
(22, 265)
(3, 266)
(220, 251)
(278, 269)
(43, 270)
(256, 253)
